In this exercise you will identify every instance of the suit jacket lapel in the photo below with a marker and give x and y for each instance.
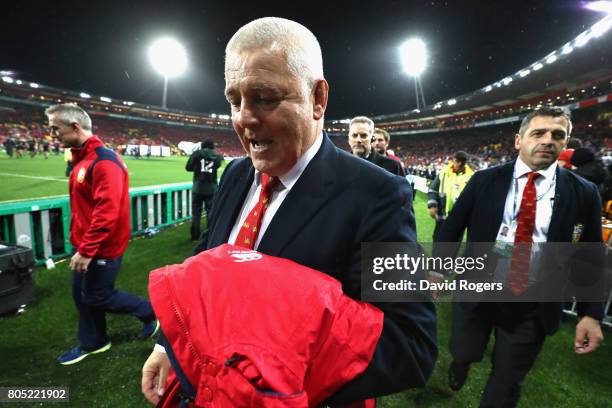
(303, 201)
(562, 197)
(236, 195)
(500, 192)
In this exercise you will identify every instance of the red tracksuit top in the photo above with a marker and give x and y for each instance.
(99, 201)
(252, 330)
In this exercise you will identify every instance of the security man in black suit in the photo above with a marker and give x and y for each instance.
(360, 135)
(489, 208)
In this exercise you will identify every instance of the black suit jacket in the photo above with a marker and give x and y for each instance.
(392, 166)
(480, 209)
(339, 202)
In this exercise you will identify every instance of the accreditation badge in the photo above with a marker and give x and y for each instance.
(504, 242)
(577, 233)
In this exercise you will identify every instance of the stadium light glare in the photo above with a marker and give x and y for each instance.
(84, 95)
(413, 56)
(582, 39)
(551, 59)
(488, 88)
(567, 49)
(168, 57)
(506, 80)
(603, 6)
(601, 27)
(451, 102)
(537, 66)
(105, 99)
(34, 85)
(213, 115)
(524, 73)
(8, 79)
(18, 82)
(128, 103)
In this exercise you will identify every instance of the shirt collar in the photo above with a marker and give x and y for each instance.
(291, 177)
(521, 169)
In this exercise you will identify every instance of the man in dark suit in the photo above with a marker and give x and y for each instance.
(530, 200)
(324, 202)
(360, 135)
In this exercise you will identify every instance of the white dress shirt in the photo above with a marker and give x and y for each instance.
(545, 195)
(287, 181)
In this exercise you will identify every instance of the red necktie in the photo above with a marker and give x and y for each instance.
(250, 228)
(521, 253)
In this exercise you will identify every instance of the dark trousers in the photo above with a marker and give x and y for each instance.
(437, 229)
(519, 337)
(197, 202)
(94, 294)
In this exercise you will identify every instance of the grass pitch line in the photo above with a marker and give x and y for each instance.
(65, 180)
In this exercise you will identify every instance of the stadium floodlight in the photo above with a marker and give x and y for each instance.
(507, 80)
(8, 79)
(537, 66)
(451, 102)
(567, 49)
(169, 59)
(34, 85)
(19, 82)
(488, 88)
(551, 59)
(524, 73)
(601, 27)
(583, 38)
(128, 103)
(105, 99)
(413, 56)
(84, 95)
(603, 6)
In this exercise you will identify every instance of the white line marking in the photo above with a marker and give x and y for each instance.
(65, 180)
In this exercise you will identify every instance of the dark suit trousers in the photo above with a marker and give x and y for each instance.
(518, 341)
(197, 202)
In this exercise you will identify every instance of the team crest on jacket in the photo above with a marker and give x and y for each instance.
(244, 256)
(81, 175)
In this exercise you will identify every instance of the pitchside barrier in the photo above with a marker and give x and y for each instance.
(43, 224)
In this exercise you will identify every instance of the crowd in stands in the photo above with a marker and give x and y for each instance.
(22, 125)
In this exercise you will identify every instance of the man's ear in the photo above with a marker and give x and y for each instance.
(320, 95)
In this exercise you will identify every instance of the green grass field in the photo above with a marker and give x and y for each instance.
(26, 178)
(30, 342)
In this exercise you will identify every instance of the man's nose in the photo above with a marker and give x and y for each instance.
(247, 116)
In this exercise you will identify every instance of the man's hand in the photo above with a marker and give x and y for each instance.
(433, 212)
(154, 375)
(79, 263)
(588, 335)
(435, 293)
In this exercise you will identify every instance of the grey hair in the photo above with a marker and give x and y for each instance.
(70, 113)
(296, 42)
(363, 119)
(554, 111)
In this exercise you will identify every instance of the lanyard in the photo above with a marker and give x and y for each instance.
(515, 211)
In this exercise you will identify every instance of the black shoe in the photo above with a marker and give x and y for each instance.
(457, 375)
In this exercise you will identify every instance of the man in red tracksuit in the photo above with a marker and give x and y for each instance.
(99, 232)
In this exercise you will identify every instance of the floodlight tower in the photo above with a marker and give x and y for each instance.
(414, 58)
(169, 59)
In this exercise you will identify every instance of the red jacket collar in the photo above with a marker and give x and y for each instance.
(79, 153)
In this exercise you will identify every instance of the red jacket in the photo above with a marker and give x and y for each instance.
(252, 330)
(99, 201)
